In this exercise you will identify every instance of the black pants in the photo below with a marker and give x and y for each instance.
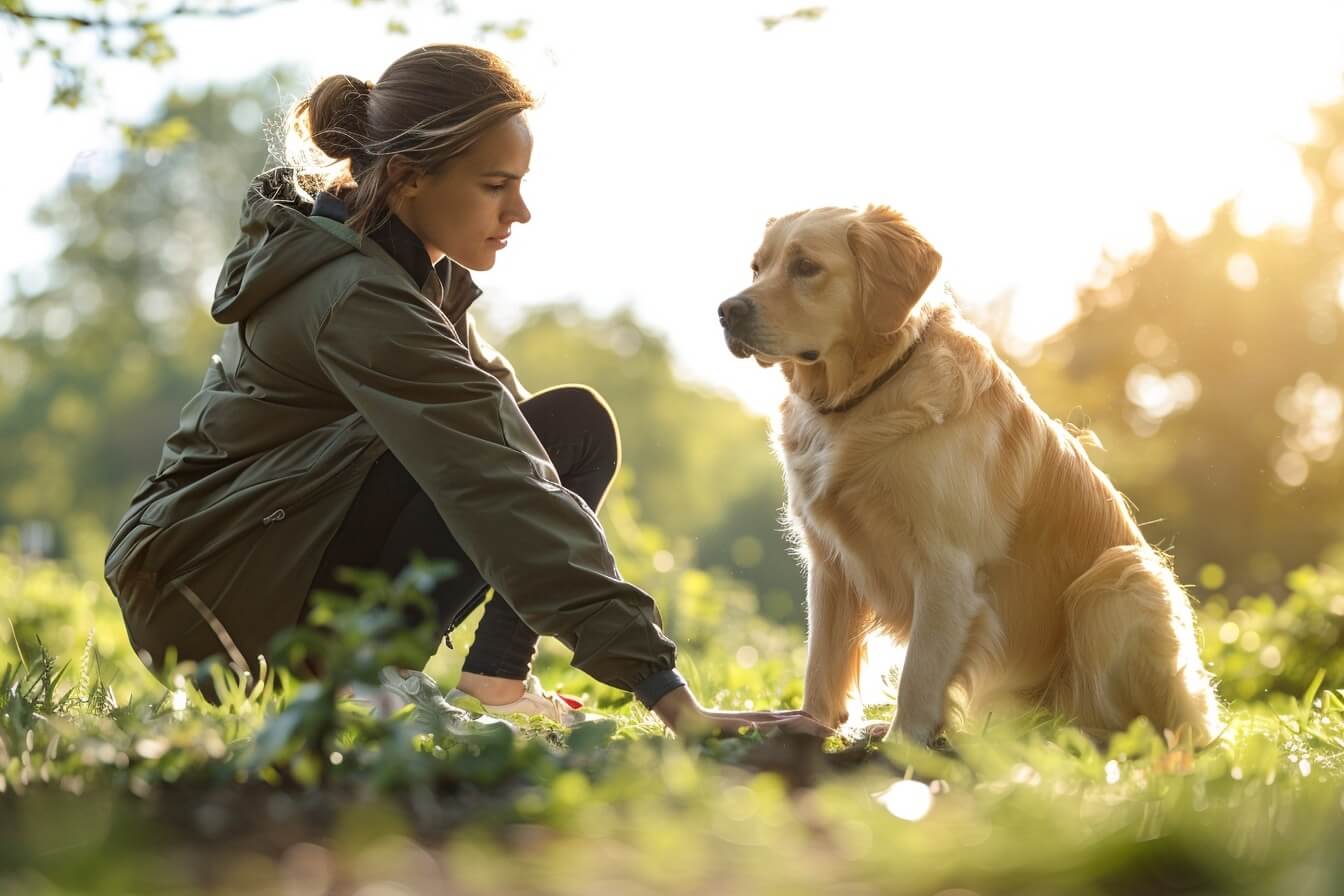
(392, 518)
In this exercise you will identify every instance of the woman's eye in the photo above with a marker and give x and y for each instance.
(495, 188)
(805, 267)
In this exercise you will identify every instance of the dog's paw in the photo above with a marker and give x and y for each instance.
(827, 717)
(875, 730)
(926, 736)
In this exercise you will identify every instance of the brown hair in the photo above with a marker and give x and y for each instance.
(429, 106)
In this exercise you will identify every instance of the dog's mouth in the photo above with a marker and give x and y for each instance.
(743, 349)
(739, 348)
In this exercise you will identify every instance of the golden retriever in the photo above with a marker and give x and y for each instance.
(933, 500)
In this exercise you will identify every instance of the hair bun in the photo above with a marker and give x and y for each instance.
(338, 116)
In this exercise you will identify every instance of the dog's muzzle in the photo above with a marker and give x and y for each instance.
(735, 316)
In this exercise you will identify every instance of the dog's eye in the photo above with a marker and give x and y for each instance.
(804, 267)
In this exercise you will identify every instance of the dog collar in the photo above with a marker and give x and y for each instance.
(877, 383)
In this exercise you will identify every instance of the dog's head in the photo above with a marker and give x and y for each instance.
(824, 278)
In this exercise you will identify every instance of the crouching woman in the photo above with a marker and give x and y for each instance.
(353, 416)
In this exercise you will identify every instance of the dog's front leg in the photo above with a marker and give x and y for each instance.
(835, 627)
(945, 607)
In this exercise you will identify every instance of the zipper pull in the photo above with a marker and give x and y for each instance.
(273, 517)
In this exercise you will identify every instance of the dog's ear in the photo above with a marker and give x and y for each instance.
(896, 265)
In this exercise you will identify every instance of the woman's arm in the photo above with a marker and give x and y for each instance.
(461, 435)
(489, 359)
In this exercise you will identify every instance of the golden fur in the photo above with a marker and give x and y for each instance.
(945, 508)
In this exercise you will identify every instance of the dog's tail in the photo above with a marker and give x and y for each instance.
(1131, 649)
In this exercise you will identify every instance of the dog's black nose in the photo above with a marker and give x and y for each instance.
(733, 310)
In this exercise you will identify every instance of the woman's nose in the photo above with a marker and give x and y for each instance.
(521, 213)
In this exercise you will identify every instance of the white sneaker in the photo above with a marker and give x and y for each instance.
(562, 710)
(433, 713)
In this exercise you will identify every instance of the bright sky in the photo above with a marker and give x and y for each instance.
(1025, 139)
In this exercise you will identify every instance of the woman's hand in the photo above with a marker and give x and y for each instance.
(681, 712)
(792, 720)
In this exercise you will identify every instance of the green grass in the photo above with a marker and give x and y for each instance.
(111, 782)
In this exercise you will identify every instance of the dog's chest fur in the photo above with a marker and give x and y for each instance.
(858, 498)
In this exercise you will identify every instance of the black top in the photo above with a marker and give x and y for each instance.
(403, 245)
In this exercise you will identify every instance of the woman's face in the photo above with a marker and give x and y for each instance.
(466, 208)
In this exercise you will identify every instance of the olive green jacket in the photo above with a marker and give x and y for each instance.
(333, 355)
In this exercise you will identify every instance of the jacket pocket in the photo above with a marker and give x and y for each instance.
(311, 454)
(284, 507)
(246, 512)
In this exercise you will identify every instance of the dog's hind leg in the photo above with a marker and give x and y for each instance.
(1131, 650)
(973, 686)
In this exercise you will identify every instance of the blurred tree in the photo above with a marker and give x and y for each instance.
(117, 30)
(1212, 370)
(96, 362)
(752, 543)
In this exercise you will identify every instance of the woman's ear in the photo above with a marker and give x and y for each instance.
(896, 265)
(404, 176)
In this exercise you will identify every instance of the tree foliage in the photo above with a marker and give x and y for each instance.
(1212, 370)
(96, 362)
(74, 42)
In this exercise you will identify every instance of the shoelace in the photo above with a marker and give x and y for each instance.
(564, 708)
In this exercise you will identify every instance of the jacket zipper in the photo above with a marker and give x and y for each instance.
(458, 619)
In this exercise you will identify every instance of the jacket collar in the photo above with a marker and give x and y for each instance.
(400, 242)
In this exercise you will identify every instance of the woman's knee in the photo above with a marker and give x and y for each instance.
(580, 408)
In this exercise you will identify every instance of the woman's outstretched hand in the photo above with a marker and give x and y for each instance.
(681, 712)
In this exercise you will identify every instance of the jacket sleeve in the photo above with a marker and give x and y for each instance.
(488, 358)
(460, 434)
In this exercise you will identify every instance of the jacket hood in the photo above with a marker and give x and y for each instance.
(279, 244)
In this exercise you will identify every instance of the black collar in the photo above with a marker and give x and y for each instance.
(877, 383)
(406, 249)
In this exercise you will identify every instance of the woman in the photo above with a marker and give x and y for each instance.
(353, 415)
